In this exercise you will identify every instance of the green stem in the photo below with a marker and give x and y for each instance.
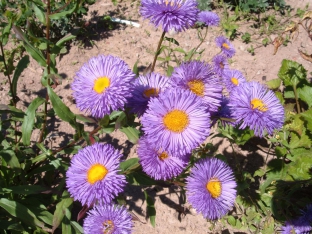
(158, 50)
(202, 39)
(48, 70)
(297, 100)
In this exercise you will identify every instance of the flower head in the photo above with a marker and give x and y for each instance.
(220, 64)
(232, 78)
(145, 87)
(298, 226)
(199, 78)
(256, 107)
(226, 46)
(172, 15)
(211, 188)
(108, 219)
(158, 163)
(176, 121)
(93, 174)
(102, 85)
(209, 18)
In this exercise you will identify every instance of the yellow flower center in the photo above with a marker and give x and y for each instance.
(214, 187)
(258, 104)
(197, 87)
(226, 46)
(152, 92)
(101, 84)
(176, 120)
(234, 80)
(163, 156)
(96, 172)
(108, 227)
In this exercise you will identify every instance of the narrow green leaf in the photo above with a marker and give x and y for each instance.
(151, 211)
(21, 212)
(22, 64)
(62, 14)
(24, 189)
(77, 227)
(172, 40)
(66, 227)
(29, 119)
(135, 68)
(39, 14)
(59, 212)
(5, 33)
(72, 35)
(132, 134)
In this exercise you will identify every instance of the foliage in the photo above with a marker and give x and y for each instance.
(33, 194)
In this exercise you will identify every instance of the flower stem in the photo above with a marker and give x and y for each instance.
(158, 50)
(297, 100)
(202, 39)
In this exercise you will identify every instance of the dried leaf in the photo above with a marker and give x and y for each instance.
(293, 26)
(307, 15)
(305, 56)
(277, 42)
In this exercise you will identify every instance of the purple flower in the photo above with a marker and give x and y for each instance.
(220, 64)
(108, 218)
(211, 188)
(146, 87)
(199, 78)
(172, 15)
(93, 174)
(102, 85)
(256, 107)
(209, 18)
(232, 78)
(158, 163)
(298, 226)
(226, 46)
(176, 121)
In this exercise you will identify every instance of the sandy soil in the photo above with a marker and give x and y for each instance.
(137, 44)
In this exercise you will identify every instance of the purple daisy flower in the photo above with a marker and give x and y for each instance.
(224, 111)
(108, 218)
(220, 64)
(176, 121)
(199, 78)
(211, 188)
(93, 174)
(102, 85)
(145, 87)
(232, 78)
(209, 18)
(256, 107)
(172, 15)
(158, 163)
(298, 226)
(226, 46)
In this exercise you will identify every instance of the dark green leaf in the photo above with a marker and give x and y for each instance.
(291, 73)
(10, 158)
(24, 189)
(172, 40)
(129, 164)
(29, 119)
(21, 212)
(151, 211)
(62, 14)
(59, 212)
(132, 134)
(22, 64)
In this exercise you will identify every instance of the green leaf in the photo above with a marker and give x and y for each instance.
(63, 111)
(129, 164)
(59, 212)
(151, 211)
(132, 134)
(24, 189)
(231, 220)
(76, 226)
(39, 14)
(135, 68)
(21, 212)
(170, 70)
(300, 168)
(66, 227)
(298, 142)
(172, 40)
(121, 120)
(305, 94)
(274, 84)
(307, 115)
(22, 64)
(280, 151)
(292, 73)
(29, 119)
(72, 35)
(62, 14)
(141, 179)
(10, 158)
(5, 33)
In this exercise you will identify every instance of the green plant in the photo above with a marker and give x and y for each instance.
(246, 37)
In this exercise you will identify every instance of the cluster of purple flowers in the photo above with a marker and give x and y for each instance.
(175, 113)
